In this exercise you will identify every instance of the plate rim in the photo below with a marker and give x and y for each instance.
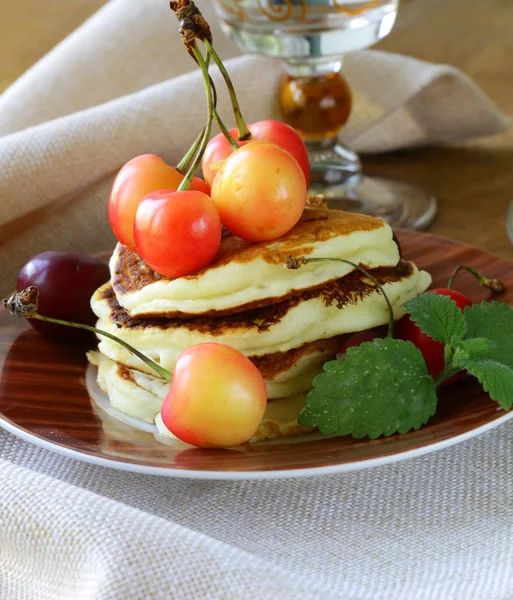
(250, 475)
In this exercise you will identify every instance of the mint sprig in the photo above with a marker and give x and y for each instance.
(383, 387)
(379, 388)
(479, 340)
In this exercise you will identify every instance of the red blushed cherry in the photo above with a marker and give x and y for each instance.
(177, 233)
(432, 351)
(260, 192)
(275, 132)
(217, 397)
(137, 178)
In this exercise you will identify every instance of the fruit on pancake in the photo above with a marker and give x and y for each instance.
(260, 192)
(177, 233)
(140, 176)
(66, 282)
(276, 132)
(432, 351)
(217, 397)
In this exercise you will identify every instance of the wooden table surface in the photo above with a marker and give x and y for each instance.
(473, 182)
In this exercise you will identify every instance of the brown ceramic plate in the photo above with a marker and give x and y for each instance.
(43, 399)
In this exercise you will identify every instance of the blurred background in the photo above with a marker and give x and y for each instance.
(470, 180)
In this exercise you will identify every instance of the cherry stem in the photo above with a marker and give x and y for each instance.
(295, 263)
(185, 163)
(184, 185)
(224, 131)
(33, 314)
(244, 132)
(164, 373)
(25, 304)
(187, 159)
(217, 117)
(495, 285)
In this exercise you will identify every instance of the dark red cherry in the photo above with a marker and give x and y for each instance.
(66, 282)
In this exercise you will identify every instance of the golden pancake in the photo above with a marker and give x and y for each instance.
(347, 305)
(246, 275)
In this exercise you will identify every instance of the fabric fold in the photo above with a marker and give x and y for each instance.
(62, 157)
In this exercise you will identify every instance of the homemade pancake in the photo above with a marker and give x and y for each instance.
(246, 275)
(285, 373)
(140, 396)
(347, 305)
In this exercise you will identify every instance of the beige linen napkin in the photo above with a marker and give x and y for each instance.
(121, 85)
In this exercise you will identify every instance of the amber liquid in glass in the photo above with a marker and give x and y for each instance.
(318, 106)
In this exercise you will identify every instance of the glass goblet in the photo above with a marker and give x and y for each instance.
(311, 37)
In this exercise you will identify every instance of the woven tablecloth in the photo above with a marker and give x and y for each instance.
(439, 527)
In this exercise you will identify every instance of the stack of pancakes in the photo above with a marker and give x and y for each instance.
(288, 322)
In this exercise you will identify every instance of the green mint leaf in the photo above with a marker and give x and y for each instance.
(487, 350)
(437, 316)
(495, 376)
(470, 347)
(379, 388)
